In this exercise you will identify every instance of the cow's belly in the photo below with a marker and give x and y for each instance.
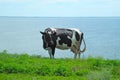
(63, 46)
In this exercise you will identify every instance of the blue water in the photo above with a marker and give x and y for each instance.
(21, 35)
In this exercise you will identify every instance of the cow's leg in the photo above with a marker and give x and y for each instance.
(53, 52)
(50, 53)
(79, 55)
(75, 55)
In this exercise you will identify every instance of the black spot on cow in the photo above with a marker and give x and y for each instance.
(77, 36)
(81, 38)
(64, 39)
(67, 32)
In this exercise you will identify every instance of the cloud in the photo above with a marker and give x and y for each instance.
(66, 0)
(39, 0)
(76, 1)
(56, 1)
(94, 1)
(15, 0)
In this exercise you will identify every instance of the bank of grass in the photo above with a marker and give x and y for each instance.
(26, 67)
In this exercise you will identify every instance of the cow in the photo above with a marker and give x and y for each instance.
(63, 38)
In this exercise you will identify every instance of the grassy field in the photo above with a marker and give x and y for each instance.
(26, 67)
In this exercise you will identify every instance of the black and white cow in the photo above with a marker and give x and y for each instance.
(62, 38)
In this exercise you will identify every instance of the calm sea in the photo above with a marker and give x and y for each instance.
(21, 35)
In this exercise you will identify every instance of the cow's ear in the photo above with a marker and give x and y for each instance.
(42, 32)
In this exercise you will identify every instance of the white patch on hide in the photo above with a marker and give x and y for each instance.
(63, 46)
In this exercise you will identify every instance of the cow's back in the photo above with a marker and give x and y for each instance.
(67, 38)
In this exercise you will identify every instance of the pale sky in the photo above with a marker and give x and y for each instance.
(60, 8)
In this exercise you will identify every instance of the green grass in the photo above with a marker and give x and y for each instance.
(26, 67)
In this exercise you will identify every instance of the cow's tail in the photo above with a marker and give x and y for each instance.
(84, 45)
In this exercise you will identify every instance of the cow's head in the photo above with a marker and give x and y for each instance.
(48, 39)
